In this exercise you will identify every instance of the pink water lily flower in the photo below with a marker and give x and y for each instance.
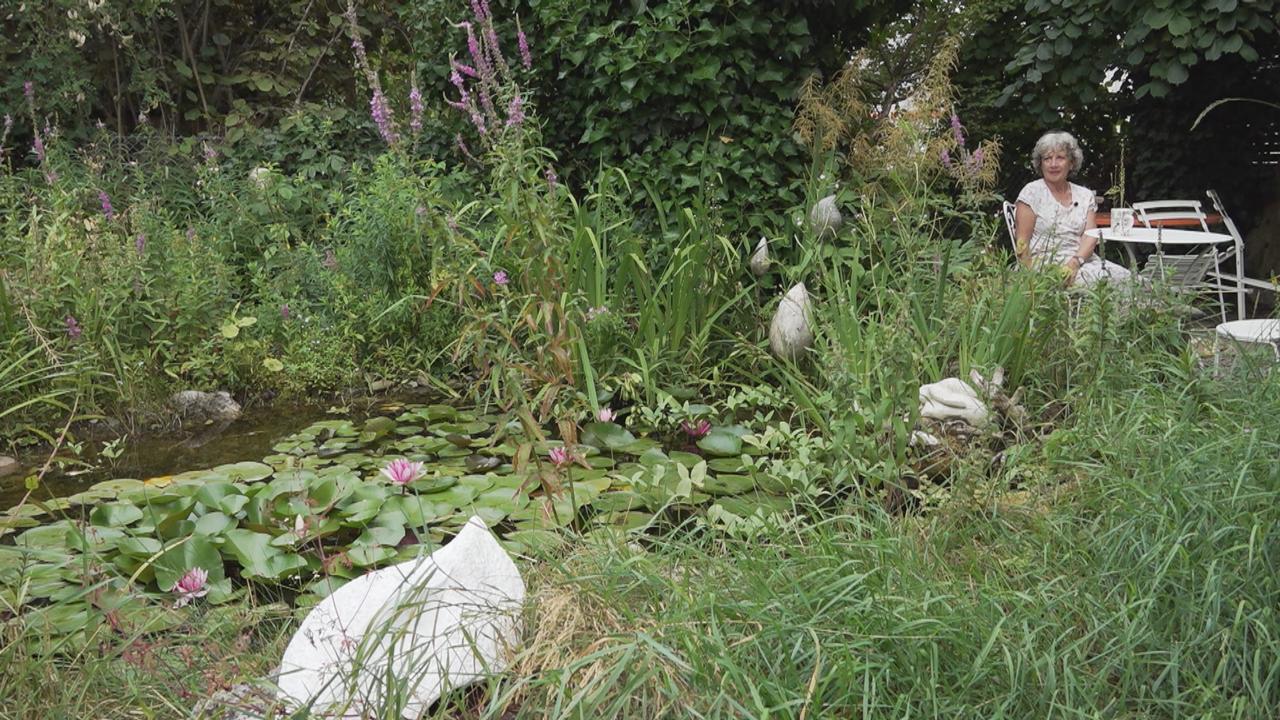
(561, 456)
(697, 429)
(605, 415)
(192, 585)
(402, 471)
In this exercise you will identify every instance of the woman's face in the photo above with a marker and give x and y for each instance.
(1055, 165)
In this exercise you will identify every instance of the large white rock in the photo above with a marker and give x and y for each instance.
(790, 333)
(825, 218)
(431, 624)
(760, 259)
(953, 399)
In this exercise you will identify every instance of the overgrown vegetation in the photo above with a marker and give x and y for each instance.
(708, 530)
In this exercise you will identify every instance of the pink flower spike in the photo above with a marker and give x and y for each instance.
(500, 277)
(526, 59)
(192, 585)
(402, 472)
(605, 415)
(696, 430)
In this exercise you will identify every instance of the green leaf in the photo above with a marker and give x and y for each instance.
(214, 523)
(1156, 18)
(251, 549)
(115, 515)
(720, 443)
(1179, 25)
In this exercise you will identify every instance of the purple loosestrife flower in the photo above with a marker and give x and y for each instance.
(108, 211)
(957, 130)
(480, 8)
(552, 180)
(515, 111)
(284, 312)
(192, 585)
(29, 92)
(978, 157)
(500, 278)
(402, 472)
(946, 159)
(381, 113)
(38, 146)
(73, 327)
(697, 429)
(415, 110)
(526, 59)
(140, 243)
(463, 68)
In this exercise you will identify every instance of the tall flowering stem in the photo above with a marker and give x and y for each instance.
(487, 93)
(379, 108)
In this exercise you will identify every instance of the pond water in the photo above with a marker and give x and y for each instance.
(250, 437)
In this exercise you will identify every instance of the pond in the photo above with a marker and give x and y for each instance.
(308, 510)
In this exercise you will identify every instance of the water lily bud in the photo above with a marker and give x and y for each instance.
(760, 260)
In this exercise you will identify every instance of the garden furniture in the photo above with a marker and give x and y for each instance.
(1194, 254)
(1258, 332)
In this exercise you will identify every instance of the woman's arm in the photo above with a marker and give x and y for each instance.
(1024, 219)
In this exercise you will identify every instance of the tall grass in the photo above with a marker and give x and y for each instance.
(1135, 578)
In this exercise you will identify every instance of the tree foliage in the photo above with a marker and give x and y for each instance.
(1069, 50)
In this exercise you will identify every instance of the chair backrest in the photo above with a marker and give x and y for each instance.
(1009, 210)
(1179, 272)
(1149, 213)
(1238, 245)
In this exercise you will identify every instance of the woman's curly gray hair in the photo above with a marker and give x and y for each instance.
(1057, 140)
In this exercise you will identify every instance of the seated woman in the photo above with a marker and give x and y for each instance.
(1052, 215)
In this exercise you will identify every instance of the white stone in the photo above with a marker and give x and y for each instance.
(953, 399)
(825, 218)
(790, 333)
(8, 465)
(760, 260)
(433, 624)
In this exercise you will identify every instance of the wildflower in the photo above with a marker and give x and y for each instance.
(500, 277)
(561, 456)
(957, 130)
(515, 111)
(595, 312)
(29, 91)
(192, 585)
(978, 156)
(415, 110)
(552, 180)
(697, 429)
(140, 243)
(209, 153)
(605, 415)
(402, 472)
(946, 159)
(73, 327)
(330, 261)
(38, 146)
(381, 113)
(107, 210)
(526, 59)
(284, 312)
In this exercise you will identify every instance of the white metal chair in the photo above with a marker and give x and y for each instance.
(1184, 271)
(1009, 210)
(1238, 277)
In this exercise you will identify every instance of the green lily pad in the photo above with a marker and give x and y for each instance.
(215, 523)
(537, 543)
(368, 555)
(609, 435)
(94, 539)
(253, 550)
(726, 465)
(617, 501)
(112, 488)
(721, 444)
(376, 428)
(245, 472)
(183, 555)
(115, 515)
(728, 484)
(634, 520)
(681, 457)
(641, 445)
(430, 485)
(53, 535)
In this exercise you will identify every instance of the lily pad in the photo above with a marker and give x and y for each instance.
(115, 515)
(607, 434)
(728, 484)
(112, 488)
(721, 444)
